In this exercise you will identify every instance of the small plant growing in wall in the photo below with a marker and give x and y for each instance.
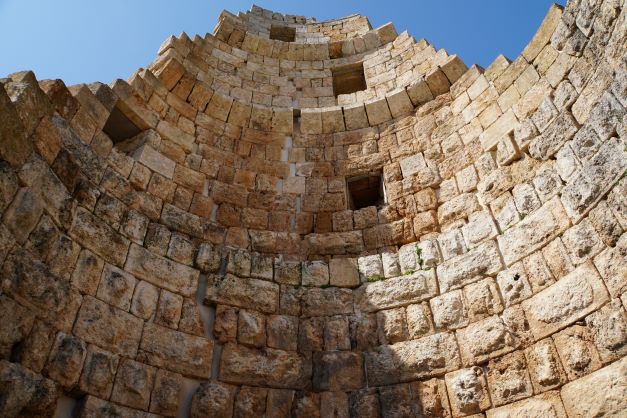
(375, 278)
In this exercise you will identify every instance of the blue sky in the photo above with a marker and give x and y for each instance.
(101, 40)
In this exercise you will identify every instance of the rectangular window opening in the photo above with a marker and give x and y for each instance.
(365, 190)
(282, 33)
(119, 127)
(349, 79)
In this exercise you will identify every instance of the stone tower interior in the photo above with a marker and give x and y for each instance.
(293, 218)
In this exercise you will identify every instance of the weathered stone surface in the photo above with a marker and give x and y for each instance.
(398, 291)
(17, 324)
(604, 392)
(533, 232)
(160, 271)
(32, 285)
(133, 384)
(546, 405)
(165, 395)
(108, 327)
(269, 367)
(337, 371)
(245, 293)
(469, 267)
(571, 298)
(411, 360)
(176, 351)
(485, 339)
(326, 302)
(94, 234)
(24, 393)
(98, 372)
(66, 360)
(468, 391)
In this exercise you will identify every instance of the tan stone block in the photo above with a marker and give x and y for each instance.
(219, 107)
(546, 405)
(398, 291)
(311, 121)
(399, 103)
(496, 68)
(504, 125)
(571, 298)
(378, 111)
(355, 117)
(603, 391)
(332, 120)
(438, 82)
(543, 34)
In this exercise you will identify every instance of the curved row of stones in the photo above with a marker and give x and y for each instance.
(209, 266)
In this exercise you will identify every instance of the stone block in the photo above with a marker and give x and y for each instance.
(571, 298)
(602, 391)
(327, 302)
(343, 272)
(161, 272)
(508, 379)
(545, 405)
(377, 111)
(483, 340)
(469, 267)
(411, 360)
(467, 391)
(268, 368)
(338, 371)
(395, 292)
(25, 393)
(176, 351)
(99, 372)
(66, 360)
(133, 384)
(315, 273)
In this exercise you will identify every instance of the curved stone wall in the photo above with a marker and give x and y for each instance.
(212, 265)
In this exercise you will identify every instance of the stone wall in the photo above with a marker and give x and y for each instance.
(212, 265)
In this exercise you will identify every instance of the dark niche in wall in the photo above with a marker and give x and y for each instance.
(282, 33)
(348, 79)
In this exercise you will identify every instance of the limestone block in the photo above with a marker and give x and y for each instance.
(451, 243)
(169, 309)
(66, 360)
(355, 117)
(165, 395)
(269, 368)
(391, 267)
(605, 224)
(610, 264)
(543, 34)
(248, 293)
(282, 332)
(419, 92)
(438, 82)
(110, 328)
(97, 236)
(144, 301)
(582, 242)
(457, 208)
(609, 329)
(399, 103)
(26, 393)
(482, 299)
(395, 292)
(310, 121)
(160, 271)
(545, 405)
(562, 129)
(191, 355)
(514, 284)
(466, 268)
(116, 287)
(98, 372)
(370, 267)
(571, 298)
(483, 340)
(30, 283)
(453, 68)
(326, 302)
(332, 120)
(508, 379)
(392, 326)
(501, 127)
(315, 273)
(155, 161)
(411, 360)
(250, 402)
(337, 371)
(449, 312)
(287, 272)
(213, 399)
(480, 227)
(219, 107)
(23, 213)
(133, 384)
(377, 111)
(544, 366)
(467, 391)
(344, 272)
(533, 232)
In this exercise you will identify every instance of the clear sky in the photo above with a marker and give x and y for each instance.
(102, 40)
